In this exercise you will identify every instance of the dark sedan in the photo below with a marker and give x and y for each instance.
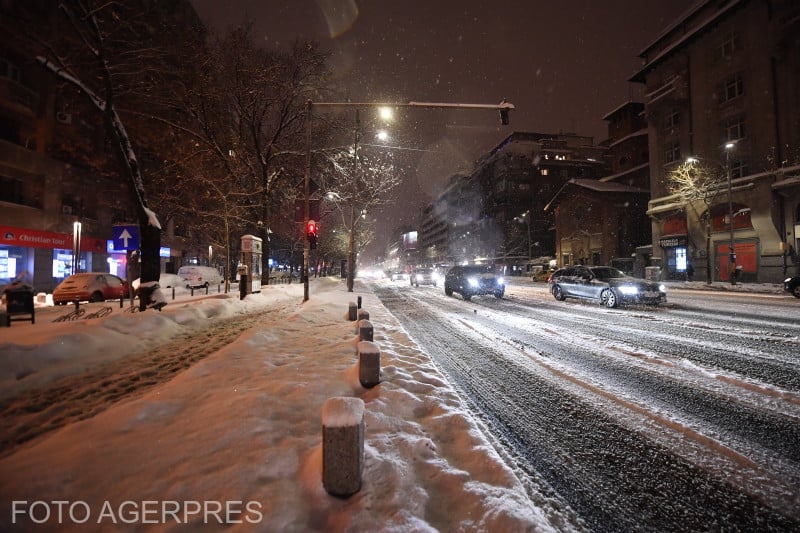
(792, 286)
(473, 280)
(606, 285)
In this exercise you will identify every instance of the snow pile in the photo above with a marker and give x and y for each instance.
(235, 439)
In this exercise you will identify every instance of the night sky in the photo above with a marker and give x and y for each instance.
(563, 64)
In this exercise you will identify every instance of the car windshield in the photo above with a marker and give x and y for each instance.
(478, 269)
(604, 273)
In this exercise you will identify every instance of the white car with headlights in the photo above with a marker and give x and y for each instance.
(424, 276)
(606, 285)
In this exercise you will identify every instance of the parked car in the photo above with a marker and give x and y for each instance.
(199, 276)
(90, 287)
(165, 281)
(792, 286)
(424, 276)
(473, 280)
(607, 285)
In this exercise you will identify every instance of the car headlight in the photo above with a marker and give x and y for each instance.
(787, 280)
(473, 282)
(662, 288)
(501, 281)
(628, 290)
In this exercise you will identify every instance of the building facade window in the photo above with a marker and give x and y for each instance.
(738, 168)
(734, 128)
(673, 118)
(672, 152)
(732, 87)
(9, 70)
(730, 43)
(15, 191)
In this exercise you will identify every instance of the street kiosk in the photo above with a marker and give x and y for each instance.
(251, 258)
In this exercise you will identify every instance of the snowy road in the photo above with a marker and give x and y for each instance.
(682, 417)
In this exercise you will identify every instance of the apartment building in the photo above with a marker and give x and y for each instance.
(722, 85)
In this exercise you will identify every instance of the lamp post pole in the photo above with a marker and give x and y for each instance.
(351, 241)
(306, 203)
(76, 247)
(731, 252)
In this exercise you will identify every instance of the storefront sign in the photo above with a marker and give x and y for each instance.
(31, 238)
(673, 241)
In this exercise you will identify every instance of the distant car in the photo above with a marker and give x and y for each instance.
(542, 275)
(473, 280)
(398, 275)
(424, 276)
(792, 286)
(165, 281)
(90, 287)
(607, 285)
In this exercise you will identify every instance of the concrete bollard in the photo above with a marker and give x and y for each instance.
(363, 314)
(342, 445)
(359, 302)
(352, 312)
(369, 364)
(365, 330)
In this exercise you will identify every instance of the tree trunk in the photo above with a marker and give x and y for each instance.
(708, 252)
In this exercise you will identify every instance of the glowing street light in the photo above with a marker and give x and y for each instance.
(76, 246)
(386, 113)
(731, 253)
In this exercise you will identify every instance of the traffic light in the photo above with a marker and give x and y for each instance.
(505, 107)
(311, 234)
(504, 116)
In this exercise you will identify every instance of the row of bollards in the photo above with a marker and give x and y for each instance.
(343, 417)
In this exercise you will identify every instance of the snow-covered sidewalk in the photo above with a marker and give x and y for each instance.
(236, 437)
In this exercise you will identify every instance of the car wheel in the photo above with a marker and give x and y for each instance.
(96, 297)
(558, 293)
(448, 291)
(609, 298)
(467, 296)
(796, 291)
(498, 294)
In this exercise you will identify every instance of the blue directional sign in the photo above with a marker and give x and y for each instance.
(126, 237)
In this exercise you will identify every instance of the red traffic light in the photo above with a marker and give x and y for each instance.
(311, 234)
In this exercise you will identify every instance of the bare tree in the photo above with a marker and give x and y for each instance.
(696, 182)
(244, 107)
(357, 184)
(104, 50)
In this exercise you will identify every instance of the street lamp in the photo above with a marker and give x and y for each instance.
(731, 253)
(76, 246)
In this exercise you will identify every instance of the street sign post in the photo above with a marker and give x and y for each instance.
(125, 237)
